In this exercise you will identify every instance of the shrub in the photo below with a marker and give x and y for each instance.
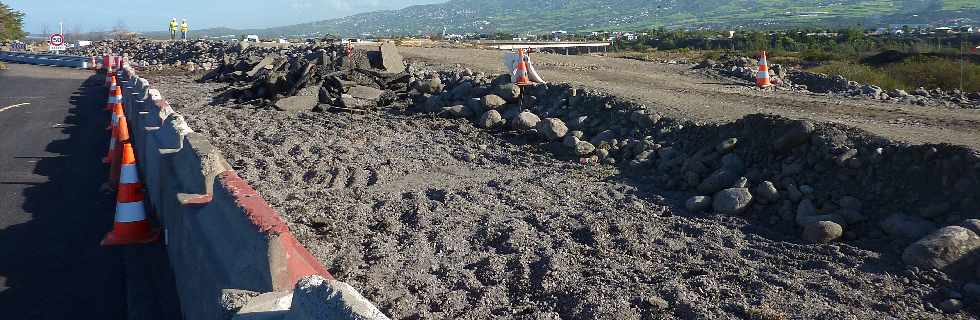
(909, 74)
(860, 73)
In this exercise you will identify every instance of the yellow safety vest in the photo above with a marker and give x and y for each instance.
(183, 27)
(173, 25)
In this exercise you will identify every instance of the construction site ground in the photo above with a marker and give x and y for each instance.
(434, 218)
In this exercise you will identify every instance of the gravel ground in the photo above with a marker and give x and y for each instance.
(436, 219)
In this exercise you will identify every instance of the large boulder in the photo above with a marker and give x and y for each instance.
(822, 231)
(732, 200)
(510, 92)
(364, 92)
(492, 101)
(552, 128)
(490, 119)
(952, 247)
(391, 59)
(297, 103)
(584, 148)
(766, 192)
(525, 121)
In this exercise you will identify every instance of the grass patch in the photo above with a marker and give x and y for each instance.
(909, 74)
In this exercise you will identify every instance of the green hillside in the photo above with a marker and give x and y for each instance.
(489, 16)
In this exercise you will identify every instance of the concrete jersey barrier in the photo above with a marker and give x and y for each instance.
(46, 59)
(220, 233)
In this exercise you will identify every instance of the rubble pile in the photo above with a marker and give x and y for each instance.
(188, 55)
(793, 79)
(823, 182)
(318, 77)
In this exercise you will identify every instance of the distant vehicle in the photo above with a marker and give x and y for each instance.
(281, 40)
(84, 43)
(252, 38)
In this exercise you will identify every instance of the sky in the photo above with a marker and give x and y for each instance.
(145, 15)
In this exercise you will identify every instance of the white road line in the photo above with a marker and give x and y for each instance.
(14, 106)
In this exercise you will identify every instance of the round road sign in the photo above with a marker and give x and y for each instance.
(56, 39)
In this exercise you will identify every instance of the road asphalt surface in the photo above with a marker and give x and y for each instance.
(52, 214)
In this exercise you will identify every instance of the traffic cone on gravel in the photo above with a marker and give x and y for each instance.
(762, 78)
(130, 225)
(522, 77)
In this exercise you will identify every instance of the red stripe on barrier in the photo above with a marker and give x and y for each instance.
(300, 262)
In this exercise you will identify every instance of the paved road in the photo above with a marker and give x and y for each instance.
(52, 215)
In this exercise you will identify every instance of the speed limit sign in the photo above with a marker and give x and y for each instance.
(56, 42)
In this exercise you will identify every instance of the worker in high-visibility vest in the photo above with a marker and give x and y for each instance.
(183, 29)
(173, 28)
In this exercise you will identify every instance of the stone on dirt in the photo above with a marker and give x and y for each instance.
(943, 248)
(732, 200)
(525, 121)
(822, 232)
(584, 148)
(492, 101)
(552, 128)
(391, 59)
(509, 92)
(364, 92)
(766, 192)
(457, 111)
(490, 119)
(297, 103)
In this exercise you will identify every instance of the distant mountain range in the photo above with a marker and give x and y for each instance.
(490, 16)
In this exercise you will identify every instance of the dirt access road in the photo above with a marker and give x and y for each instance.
(683, 93)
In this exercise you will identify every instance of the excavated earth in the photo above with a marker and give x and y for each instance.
(434, 218)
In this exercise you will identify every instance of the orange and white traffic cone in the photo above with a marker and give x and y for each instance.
(762, 78)
(121, 130)
(115, 95)
(130, 225)
(91, 63)
(521, 71)
(114, 118)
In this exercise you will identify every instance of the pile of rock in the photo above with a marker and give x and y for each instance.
(314, 77)
(189, 55)
(824, 182)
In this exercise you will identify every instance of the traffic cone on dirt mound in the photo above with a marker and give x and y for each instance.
(762, 78)
(130, 225)
(521, 71)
